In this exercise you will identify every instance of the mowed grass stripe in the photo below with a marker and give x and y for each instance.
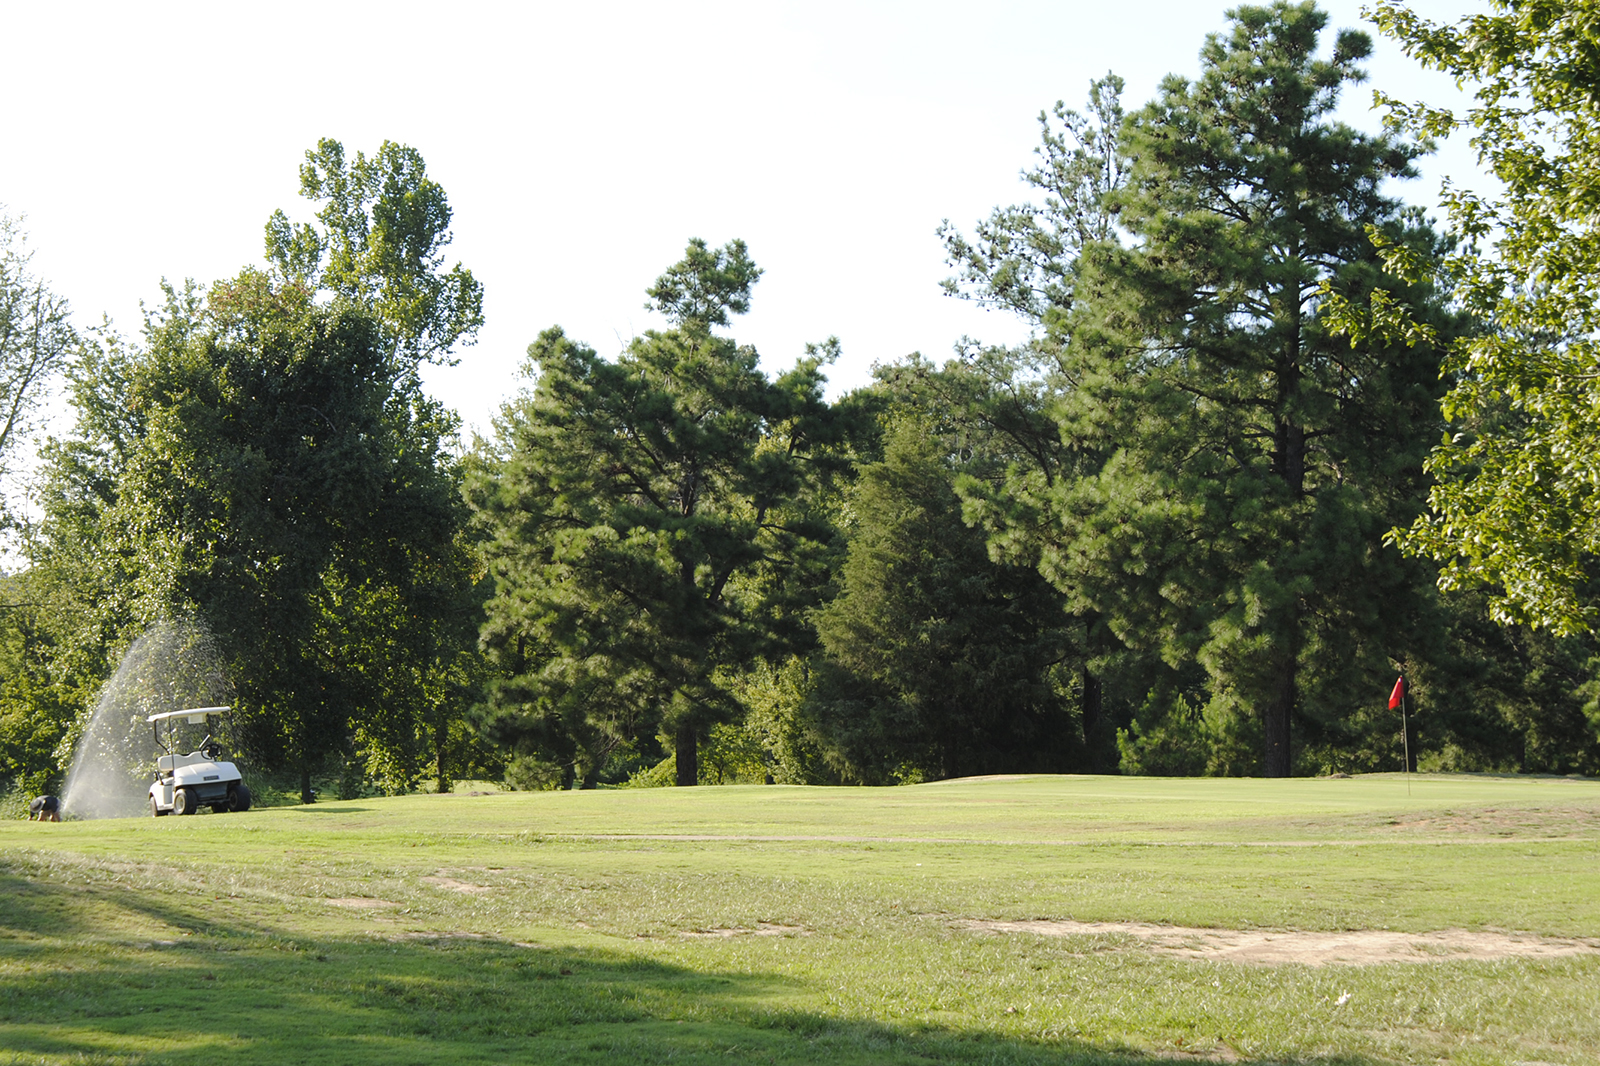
(1041, 808)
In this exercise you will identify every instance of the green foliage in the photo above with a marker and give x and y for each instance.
(285, 481)
(1170, 737)
(943, 658)
(1021, 258)
(1025, 259)
(777, 742)
(36, 337)
(36, 709)
(1520, 699)
(384, 227)
(1237, 465)
(266, 460)
(776, 701)
(643, 519)
(732, 755)
(1166, 742)
(706, 286)
(1514, 504)
(1151, 537)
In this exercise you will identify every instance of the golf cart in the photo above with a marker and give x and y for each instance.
(185, 783)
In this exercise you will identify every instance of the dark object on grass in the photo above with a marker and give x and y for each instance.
(44, 809)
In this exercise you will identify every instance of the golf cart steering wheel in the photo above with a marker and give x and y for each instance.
(212, 749)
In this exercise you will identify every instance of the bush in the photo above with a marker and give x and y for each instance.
(1171, 737)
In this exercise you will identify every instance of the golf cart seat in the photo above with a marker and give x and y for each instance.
(167, 763)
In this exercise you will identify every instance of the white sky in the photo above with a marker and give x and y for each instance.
(581, 145)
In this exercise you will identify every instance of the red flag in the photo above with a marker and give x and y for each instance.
(1399, 692)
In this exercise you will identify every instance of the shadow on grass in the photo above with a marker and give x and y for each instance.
(235, 993)
(29, 909)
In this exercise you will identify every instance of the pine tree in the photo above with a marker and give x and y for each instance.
(634, 509)
(950, 656)
(1246, 462)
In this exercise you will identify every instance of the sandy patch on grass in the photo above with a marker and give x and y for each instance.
(447, 937)
(360, 903)
(438, 936)
(1361, 947)
(1554, 822)
(761, 929)
(454, 884)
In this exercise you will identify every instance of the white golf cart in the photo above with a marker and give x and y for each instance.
(202, 778)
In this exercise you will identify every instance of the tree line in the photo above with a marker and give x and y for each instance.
(1273, 439)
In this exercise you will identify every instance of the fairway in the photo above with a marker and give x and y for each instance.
(1026, 919)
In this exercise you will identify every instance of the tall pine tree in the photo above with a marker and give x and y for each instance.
(632, 510)
(1246, 462)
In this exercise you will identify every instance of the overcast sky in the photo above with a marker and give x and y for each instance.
(581, 145)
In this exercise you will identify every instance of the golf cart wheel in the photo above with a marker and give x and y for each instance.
(239, 797)
(182, 801)
(155, 809)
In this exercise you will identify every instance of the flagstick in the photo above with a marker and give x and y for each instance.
(1405, 735)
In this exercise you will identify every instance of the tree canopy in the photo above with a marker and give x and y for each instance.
(384, 225)
(1244, 462)
(634, 508)
(1184, 527)
(1514, 506)
(36, 338)
(947, 656)
(265, 461)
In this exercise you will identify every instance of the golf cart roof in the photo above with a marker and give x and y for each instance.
(195, 715)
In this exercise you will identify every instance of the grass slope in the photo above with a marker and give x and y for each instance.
(801, 925)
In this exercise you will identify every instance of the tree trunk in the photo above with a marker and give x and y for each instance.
(688, 757)
(305, 786)
(1093, 723)
(1289, 463)
(441, 741)
(1275, 713)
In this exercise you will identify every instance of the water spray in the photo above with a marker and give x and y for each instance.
(174, 665)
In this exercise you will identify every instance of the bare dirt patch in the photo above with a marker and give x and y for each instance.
(1553, 822)
(761, 929)
(447, 937)
(454, 885)
(1360, 947)
(360, 903)
(399, 937)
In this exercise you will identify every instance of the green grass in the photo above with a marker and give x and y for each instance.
(559, 927)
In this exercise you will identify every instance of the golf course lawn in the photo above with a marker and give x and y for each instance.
(928, 923)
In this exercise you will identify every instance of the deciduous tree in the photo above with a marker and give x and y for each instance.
(384, 225)
(1516, 504)
(265, 459)
(36, 337)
